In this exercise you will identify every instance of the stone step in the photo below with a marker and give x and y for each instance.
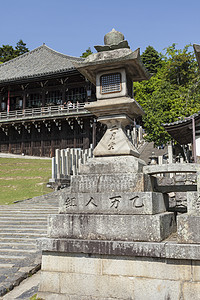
(22, 234)
(11, 257)
(14, 245)
(2, 265)
(19, 222)
(24, 225)
(36, 218)
(23, 228)
(10, 251)
(18, 239)
(41, 212)
(28, 210)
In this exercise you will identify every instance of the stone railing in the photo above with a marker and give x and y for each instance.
(136, 136)
(46, 111)
(176, 180)
(67, 162)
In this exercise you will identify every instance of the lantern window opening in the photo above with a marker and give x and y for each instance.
(111, 83)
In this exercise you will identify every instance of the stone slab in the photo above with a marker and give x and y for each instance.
(182, 251)
(115, 142)
(155, 289)
(165, 249)
(93, 183)
(148, 249)
(113, 203)
(112, 227)
(188, 228)
(193, 203)
(166, 269)
(112, 164)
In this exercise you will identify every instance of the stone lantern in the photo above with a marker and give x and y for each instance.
(113, 69)
(110, 205)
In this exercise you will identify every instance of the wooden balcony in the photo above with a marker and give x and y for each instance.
(47, 112)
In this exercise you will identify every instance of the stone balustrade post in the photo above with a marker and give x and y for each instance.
(54, 174)
(58, 163)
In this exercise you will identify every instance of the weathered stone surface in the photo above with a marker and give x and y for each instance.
(182, 251)
(115, 140)
(147, 249)
(53, 296)
(50, 282)
(193, 203)
(141, 277)
(131, 60)
(191, 290)
(155, 289)
(93, 183)
(166, 249)
(167, 184)
(188, 228)
(113, 203)
(112, 227)
(109, 165)
(171, 168)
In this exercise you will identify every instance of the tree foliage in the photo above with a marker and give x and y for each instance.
(7, 52)
(21, 48)
(151, 59)
(172, 92)
(86, 53)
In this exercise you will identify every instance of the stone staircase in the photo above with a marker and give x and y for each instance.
(21, 224)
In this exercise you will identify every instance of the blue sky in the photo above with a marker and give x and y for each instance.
(71, 26)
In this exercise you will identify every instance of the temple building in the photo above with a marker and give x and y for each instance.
(42, 99)
(187, 130)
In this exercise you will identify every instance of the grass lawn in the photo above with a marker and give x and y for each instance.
(23, 178)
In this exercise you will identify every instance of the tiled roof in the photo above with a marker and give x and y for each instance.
(181, 130)
(183, 121)
(38, 62)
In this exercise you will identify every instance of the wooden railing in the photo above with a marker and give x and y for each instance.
(45, 111)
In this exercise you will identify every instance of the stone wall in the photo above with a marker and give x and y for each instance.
(66, 277)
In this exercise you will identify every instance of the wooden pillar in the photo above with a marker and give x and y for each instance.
(194, 140)
(42, 146)
(43, 97)
(75, 135)
(9, 139)
(24, 100)
(0, 102)
(63, 94)
(22, 139)
(8, 101)
(94, 137)
(87, 129)
(52, 148)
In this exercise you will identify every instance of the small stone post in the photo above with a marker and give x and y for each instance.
(58, 163)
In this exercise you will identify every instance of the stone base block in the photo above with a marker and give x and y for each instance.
(112, 227)
(188, 229)
(137, 203)
(108, 174)
(116, 182)
(109, 165)
(73, 276)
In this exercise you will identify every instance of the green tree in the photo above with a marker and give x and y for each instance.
(86, 53)
(21, 48)
(173, 92)
(7, 52)
(181, 65)
(151, 59)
